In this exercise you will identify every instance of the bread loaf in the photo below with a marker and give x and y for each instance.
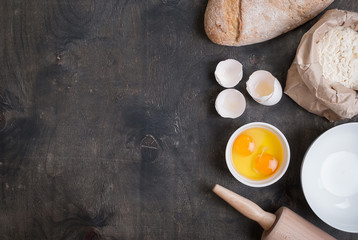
(244, 22)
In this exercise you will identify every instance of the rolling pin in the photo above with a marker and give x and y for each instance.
(284, 224)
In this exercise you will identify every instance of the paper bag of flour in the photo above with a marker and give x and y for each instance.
(309, 81)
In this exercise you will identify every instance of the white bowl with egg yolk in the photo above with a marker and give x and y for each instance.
(249, 175)
(329, 177)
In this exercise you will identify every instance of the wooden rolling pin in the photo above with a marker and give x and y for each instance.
(284, 224)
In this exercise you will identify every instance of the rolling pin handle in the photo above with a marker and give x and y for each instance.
(246, 207)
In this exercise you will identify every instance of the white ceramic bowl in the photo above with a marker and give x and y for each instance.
(277, 175)
(329, 177)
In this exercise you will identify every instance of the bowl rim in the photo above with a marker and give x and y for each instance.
(304, 160)
(272, 179)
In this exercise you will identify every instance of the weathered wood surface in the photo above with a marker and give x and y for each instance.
(108, 125)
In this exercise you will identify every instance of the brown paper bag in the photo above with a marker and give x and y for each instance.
(305, 82)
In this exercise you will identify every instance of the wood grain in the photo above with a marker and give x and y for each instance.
(108, 125)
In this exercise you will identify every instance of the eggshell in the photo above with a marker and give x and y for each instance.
(230, 103)
(228, 73)
(264, 88)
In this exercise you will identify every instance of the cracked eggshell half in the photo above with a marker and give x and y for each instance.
(230, 103)
(228, 73)
(264, 88)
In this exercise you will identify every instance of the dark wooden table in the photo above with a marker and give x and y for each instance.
(108, 125)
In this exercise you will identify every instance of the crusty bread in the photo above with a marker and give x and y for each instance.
(244, 22)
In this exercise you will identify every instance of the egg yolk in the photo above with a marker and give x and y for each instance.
(244, 145)
(265, 164)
